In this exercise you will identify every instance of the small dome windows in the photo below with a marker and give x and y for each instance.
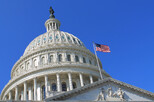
(68, 57)
(76, 58)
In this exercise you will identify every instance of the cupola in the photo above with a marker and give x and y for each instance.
(52, 23)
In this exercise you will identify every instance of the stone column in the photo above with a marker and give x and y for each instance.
(25, 91)
(58, 82)
(29, 93)
(81, 79)
(91, 79)
(35, 89)
(70, 81)
(46, 85)
(10, 95)
(38, 92)
(16, 93)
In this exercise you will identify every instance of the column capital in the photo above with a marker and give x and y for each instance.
(34, 78)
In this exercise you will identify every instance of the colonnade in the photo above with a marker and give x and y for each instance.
(52, 58)
(35, 91)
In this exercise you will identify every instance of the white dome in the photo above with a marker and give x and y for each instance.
(53, 38)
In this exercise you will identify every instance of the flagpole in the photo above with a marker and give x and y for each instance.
(98, 62)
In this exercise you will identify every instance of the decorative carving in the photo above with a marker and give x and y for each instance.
(120, 93)
(110, 95)
(110, 92)
(101, 95)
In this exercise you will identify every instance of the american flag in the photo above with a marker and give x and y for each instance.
(102, 48)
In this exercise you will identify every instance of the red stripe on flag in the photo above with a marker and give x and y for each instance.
(103, 48)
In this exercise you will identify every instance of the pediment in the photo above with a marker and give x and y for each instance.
(105, 90)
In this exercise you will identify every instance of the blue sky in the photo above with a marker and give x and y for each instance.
(127, 26)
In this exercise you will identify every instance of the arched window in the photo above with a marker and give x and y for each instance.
(84, 60)
(43, 60)
(51, 58)
(74, 85)
(59, 57)
(89, 61)
(35, 63)
(54, 87)
(53, 25)
(43, 92)
(76, 58)
(68, 57)
(28, 65)
(64, 87)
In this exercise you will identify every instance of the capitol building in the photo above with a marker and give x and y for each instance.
(56, 66)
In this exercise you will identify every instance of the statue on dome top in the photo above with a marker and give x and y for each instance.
(51, 12)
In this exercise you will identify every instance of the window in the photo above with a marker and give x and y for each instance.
(74, 40)
(43, 92)
(35, 63)
(54, 87)
(89, 61)
(79, 42)
(28, 65)
(84, 60)
(43, 60)
(59, 57)
(68, 58)
(76, 58)
(51, 58)
(54, 25)
(74, 85)
(64, 88)
(50, 37)
(57, 26)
